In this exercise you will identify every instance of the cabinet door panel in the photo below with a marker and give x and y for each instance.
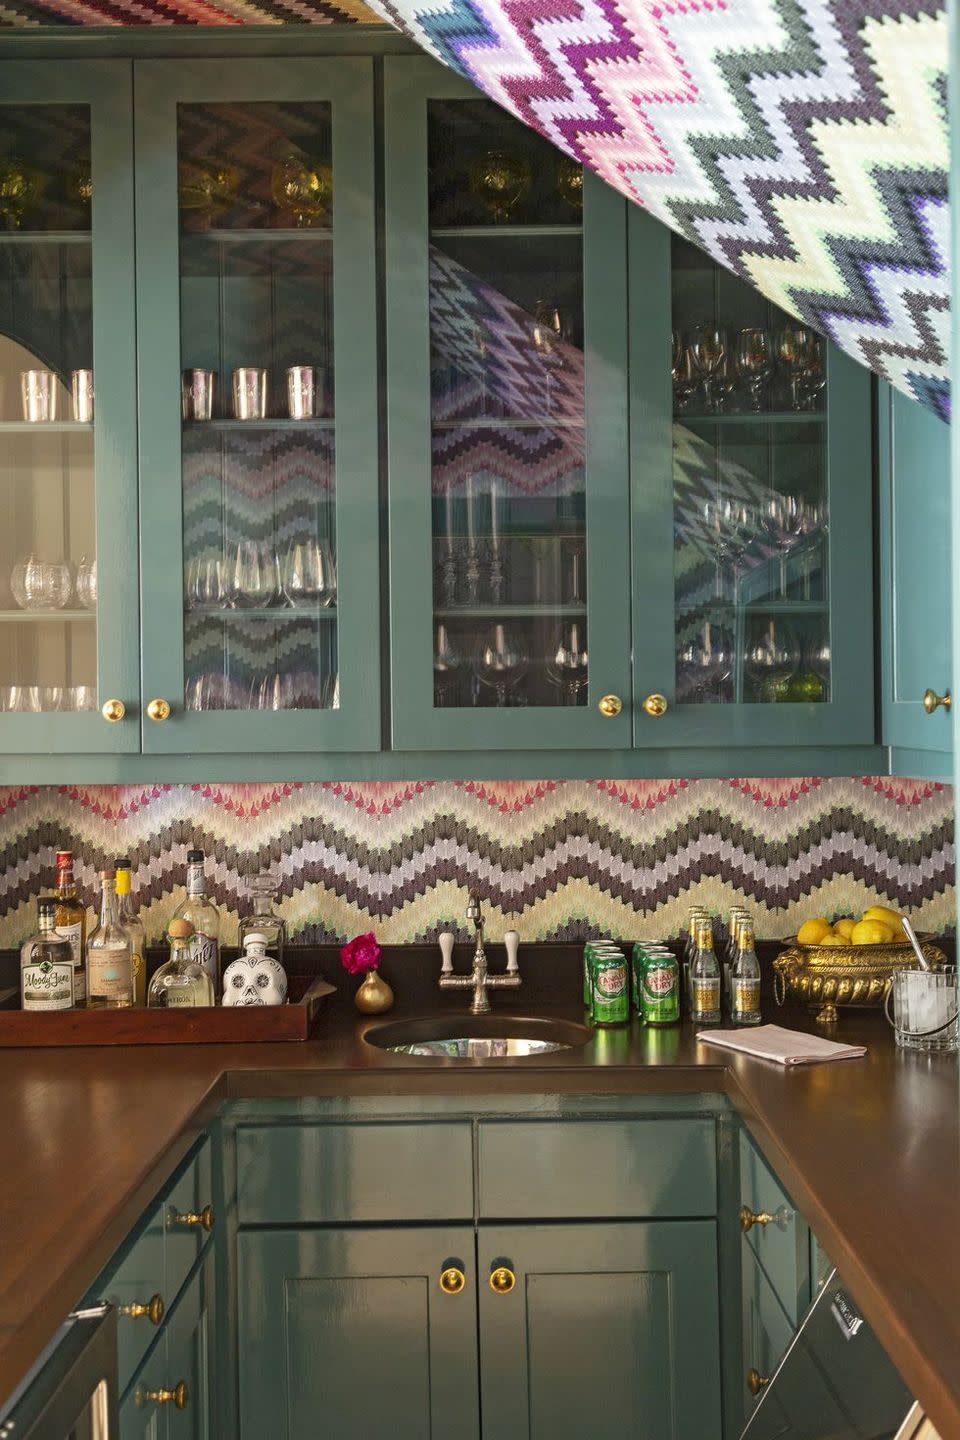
(139, 1419)
(68, 479)
(767, 1331)
(258, 425)
(189, 1347)
(352, 1325)
(610, 1330)
(752, 513)
(506, 392)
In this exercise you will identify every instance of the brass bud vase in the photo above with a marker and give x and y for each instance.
(374, 996)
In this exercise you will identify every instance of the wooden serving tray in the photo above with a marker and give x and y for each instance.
(218, 1025)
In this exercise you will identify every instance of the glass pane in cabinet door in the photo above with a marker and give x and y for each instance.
(259, 515)
(507, 409)
(48, 566)
(751, 511)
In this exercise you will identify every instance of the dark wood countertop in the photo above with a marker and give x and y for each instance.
(869, 1150)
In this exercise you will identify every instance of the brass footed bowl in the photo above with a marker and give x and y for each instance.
(858, 976)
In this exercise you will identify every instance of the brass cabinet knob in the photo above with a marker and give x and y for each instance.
(194, 1219)
(113, 711)
(749, 1218)
(931, 700)
(655, 705)
(756, 1383)
(452, 1280)
(177, 1397)
(610, 705)
(502, 1280)
(159, 709)
(153, 1309)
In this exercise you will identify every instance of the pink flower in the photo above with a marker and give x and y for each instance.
(360, 954)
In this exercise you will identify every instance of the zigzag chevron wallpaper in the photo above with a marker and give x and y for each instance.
(555, 859)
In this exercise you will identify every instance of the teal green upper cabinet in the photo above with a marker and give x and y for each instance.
(914, 464)
(258, 413)
(507, 429)
(68, 481)
(752, 514)
(353, 1325)
(608, 1331)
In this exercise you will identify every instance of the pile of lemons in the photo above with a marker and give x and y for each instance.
(879, 926)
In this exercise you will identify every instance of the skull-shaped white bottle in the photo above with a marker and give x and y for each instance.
(255, 978)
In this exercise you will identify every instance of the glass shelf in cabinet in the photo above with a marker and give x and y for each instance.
(319, 234)
(278, 613)
(755, 417)
(543, 611)
(515, 232)
(45, 427)
(757, 607)
(35, 617)
(45, 237)
(324, 422)
(495, 422)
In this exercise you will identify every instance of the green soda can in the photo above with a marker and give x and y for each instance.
(660, 989)
(611, 990)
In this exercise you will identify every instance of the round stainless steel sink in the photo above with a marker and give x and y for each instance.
(477, 1037)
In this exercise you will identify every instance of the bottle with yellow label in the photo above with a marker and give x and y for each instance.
(133, 925)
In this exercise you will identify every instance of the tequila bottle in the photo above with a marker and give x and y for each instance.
(204, 918)
(71, 923)
(705, 979)
(133, 925)
(264, 919)
(109, 968)
(46, 964)
(180, 982)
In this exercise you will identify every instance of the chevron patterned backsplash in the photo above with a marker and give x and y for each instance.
(555, 859)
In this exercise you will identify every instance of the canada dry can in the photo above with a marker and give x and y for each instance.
(660, 990)
(591, 950)
(611, 990)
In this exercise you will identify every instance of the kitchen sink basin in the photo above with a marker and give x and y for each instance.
(477, 1037)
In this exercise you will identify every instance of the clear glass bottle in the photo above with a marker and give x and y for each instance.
(180, 982)
(109, 968)
(705, 979)
(263, 919)
(46, 963)
(204, 917)
(745, 982)
(133, 925)
(71, 923)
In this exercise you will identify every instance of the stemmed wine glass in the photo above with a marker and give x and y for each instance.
(797, 348)
(754, 362)
(548, 331)
(770, 660)
(784, 519)
(707, 345)
(705, 665)
(447, 661)
(684, 381)
(567, 666)
(501, 661)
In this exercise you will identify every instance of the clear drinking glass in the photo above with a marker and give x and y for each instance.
(754, 356)
(255, 581)
(86, 583)
(501, 662)
(447, 662)
(567, 666)
(707, 346)
(309, 575)
(924, 1008)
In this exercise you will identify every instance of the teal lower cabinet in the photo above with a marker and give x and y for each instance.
(604, 1330)
(171, 1396)
(349, 1332)
(767, 1331)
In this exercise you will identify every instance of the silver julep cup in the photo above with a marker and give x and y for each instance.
(250, 393)
(81, 395)
(303, 392)
(197, 392)
(39, 391)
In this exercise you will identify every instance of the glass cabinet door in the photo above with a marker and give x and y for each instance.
(506, 343)
(258, 406)
(755, 514)
(68, 539)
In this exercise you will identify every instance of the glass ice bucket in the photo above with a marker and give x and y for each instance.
(921, 1006)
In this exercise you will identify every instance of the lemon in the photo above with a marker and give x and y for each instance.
(884, 914)
(811, 931)
(871, 932)
(845, 926)
(831, 938)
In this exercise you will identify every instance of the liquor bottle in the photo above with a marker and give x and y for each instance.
(109, 971)
(697, 913)
(204, 917)
(705, 979)
(263, 919)
(71, 923)
(745, 984)
(180, 982)
(46, 964)
(133, 925)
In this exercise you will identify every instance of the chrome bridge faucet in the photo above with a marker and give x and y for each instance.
(479, 980)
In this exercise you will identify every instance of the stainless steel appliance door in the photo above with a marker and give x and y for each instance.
(71, 1392)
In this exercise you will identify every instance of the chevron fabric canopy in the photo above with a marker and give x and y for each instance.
(803, 145)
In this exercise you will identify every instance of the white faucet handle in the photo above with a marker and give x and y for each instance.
(446, 939)
(511, 940)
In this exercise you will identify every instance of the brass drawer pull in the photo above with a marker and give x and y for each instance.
(159, 709)
(757, 1383)
(502, 1280)
(610, 705)
(656, 705)
(931, 700)
(153, 1309)
(177, 1397)
(452, 1280)
(113, 711)
(749, 1218)
(202, 1219)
